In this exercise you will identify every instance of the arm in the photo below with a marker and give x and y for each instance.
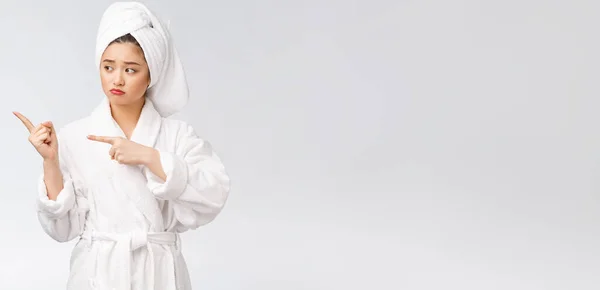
(153, 163)
(53, 178)
(192, 180)
(61, 211)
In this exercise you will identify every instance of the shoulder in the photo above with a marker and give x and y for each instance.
(184, 135)
(181, 128)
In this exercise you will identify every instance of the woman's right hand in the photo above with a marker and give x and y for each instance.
(42, 137)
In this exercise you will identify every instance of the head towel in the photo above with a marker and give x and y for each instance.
(168, 88)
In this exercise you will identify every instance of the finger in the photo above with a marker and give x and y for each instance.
(25, 121)
(49, 125)
(38, 140)
(118, 157)
(104, 139)
(41, 134)
(40, 130)
(36, 136)
(53, 132)
(43, 137)
(111, 152)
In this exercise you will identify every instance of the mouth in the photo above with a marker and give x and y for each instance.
(117, 92)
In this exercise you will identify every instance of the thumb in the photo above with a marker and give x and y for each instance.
(50, 125)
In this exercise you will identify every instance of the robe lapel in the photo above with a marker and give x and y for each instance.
(102, 124)
(146, 131)
(127, 179)
(148, 127)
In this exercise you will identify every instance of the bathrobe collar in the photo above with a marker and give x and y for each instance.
(146, 130)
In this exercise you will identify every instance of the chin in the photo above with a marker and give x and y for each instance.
(123, 100)
(120, 100)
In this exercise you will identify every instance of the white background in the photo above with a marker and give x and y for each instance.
(371, 144)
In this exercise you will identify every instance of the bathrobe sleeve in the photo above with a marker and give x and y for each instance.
(62, 219)
(197, 185)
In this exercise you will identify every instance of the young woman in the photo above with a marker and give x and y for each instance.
(126, 180)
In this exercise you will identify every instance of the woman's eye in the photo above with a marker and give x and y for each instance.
(130, 70)
(108, 68)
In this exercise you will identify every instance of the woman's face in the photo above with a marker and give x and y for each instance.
(124, 73)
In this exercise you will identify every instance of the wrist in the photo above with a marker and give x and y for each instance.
(50, 161)
(151, 156)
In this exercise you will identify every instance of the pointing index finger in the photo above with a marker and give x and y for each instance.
(25, 121)
(103, 139)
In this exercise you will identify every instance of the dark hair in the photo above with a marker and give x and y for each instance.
(127, 38)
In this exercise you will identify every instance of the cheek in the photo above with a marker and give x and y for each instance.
(104, 78)
(139, 84)
(143, 81)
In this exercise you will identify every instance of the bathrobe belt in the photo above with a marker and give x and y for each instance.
(126, 243)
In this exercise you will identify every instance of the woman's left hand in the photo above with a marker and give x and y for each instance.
(126, 151)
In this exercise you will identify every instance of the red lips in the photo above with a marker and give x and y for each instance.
(116, 92)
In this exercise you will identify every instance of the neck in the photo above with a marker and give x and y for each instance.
(127, 116)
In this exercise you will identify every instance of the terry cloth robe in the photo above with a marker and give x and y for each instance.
(126, 219)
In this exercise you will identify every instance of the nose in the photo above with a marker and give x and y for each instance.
(118, 80)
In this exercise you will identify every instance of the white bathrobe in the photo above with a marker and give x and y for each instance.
(126, 219)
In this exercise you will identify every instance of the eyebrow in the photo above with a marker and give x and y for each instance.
(127, 62)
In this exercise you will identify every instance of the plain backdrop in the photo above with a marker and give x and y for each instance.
(371, 144)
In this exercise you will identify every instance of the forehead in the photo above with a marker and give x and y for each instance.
(124, 52)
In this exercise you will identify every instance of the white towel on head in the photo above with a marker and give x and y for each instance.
(168, 88)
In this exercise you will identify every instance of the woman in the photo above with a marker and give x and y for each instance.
(125, 179)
